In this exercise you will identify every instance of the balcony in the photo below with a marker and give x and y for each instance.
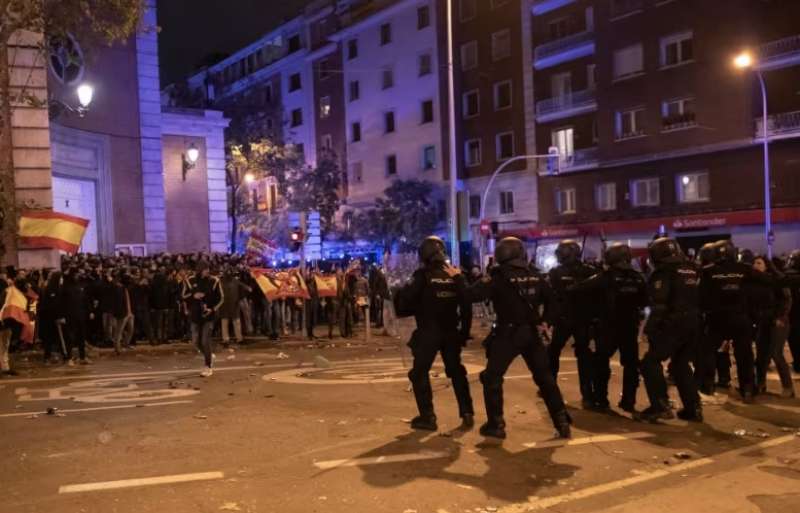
(586, 158)
(678, 122)
(539, 7)
(564, 49)
(565, 106)
(779, 54)
(623, 8)
(785, 125)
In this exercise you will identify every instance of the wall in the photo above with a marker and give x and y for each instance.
(186, 201)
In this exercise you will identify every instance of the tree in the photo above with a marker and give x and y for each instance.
(94, 21)
(316, 189)
(402, 218)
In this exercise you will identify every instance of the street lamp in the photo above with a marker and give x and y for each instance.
(190, 159)
(248, 178)
(746, 61)
(85, 93)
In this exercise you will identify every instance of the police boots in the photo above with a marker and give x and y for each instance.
(495, 428)
(562, 422)
(425, 422)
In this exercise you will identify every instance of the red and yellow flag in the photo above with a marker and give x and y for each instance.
(52, 230)
(326, 285)
(16, 308)
(270, 289)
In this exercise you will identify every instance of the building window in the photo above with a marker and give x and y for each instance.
(591, 76)
(565, 201)
(501, 45)
(678, 113)
(677, 49)
(423, 17)
(327, 141)
(558, 28)
(605, 197)
(324, 107)
(391, 165)
(388, 122)
(295, 83)
(352, 49)
(630, 123)
(469, 56)
(297, 117)
(355, 131)
(324, 71)
(428, 157)
(646, 192)
(386, 34)
(472, 152)
(564, 140)
(471, 104)
(502, 95)
(294, 43)
(506, 202)
(268, 94)
(387, 78)
(468, 9)
(425, 64)
(427, 111)
(628, 61)
(693, 187)
(357, 172)
(504, 146)
(475, 206)
(355, 90)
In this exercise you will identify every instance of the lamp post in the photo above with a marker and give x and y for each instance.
(489, 184)
(247, 179)
(455, 250)
(746, 61)
(85, 94)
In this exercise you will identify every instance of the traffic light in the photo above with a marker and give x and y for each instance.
(297, 238)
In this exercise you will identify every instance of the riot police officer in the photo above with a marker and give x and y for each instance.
(436, 297)
(623, 296)
(725, 303)
(671, 328)
(569, 317)
(708, 257)
(793, 273)
(517, 292)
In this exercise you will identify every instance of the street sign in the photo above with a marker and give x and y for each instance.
(485, 227)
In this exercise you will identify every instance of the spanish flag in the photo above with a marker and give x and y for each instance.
(52, 230)
(326, 285)
(265, 283)
(293, 285)
(16, 308)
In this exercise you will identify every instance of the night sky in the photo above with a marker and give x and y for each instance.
(192, 30)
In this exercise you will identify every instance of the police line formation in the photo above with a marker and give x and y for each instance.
(696, 311)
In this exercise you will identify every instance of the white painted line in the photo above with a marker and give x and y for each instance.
(98, 408)
(176, 372)
(394, 458)
(596, 439)
(145, 481)
(536, 503)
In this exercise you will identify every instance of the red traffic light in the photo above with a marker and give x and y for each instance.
(295, 236)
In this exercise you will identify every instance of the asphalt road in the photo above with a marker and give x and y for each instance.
(292, 428)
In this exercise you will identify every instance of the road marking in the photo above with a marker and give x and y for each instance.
(377, 460)
(535, 503)
(145, 481)
(179, 372)
(589, 440)
(98, 408)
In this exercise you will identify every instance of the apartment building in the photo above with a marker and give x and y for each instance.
(658, 131)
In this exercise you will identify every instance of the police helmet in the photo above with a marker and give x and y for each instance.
(618, 255)
(746, 256)
(568, 252)
(665, 251)
(794, 261)
(708, 254)
(508, 249)
(726, 251)
(432, 250)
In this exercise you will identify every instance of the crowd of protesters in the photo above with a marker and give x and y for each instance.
(117, 302)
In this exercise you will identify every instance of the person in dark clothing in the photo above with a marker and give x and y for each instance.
(623, 297)
(74, 308)
(140, 300)
(436, 297)
(229, 313)
(311, 305)
(203, 295)
(793, 272)
(725, 303)
(517, 292)
(49, 313)
(769, 303)
(160, 304)
(569, 315)
(345, 305)
(671, 329)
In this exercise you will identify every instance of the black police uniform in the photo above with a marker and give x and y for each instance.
(725, 303)
(793, 272)
(672, 333)
(570, 319)
(517, 293)
(443, 323)
(624, 295)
